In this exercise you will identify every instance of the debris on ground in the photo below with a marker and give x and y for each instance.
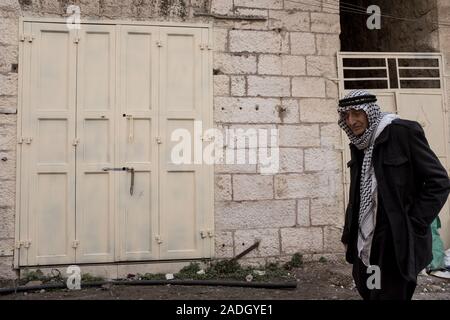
(107, 286)
(169, 276)
(441, 274)
(316, 280)
(33, 283)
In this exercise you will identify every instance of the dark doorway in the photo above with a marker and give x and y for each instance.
(406, 26)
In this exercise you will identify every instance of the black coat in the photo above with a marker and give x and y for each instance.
(413, 187)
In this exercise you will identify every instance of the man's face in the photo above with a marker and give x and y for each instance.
(356, 121)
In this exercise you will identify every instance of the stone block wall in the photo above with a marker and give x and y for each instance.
(285, 62)
(10, 12)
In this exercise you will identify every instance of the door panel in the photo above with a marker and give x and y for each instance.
(182, 68)
(95, 150)
(182, 214)
(48, 118)
(386, 101)
(180, 197)
(137, 148)
(427, 110)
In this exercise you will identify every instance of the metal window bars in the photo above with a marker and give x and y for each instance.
(390, 70)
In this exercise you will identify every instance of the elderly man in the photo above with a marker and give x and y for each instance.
(398, 186)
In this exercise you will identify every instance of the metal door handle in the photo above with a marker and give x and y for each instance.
(132, 180)
(127, 169)
(130, 126)
(115, 169)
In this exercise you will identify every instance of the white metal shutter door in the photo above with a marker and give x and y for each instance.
(181, 215)
(95, 131)
(137, 148)
(48, 117)
(82, 120)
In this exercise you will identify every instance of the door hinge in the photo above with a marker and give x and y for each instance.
(29, 38)
(75, 244)
(26, 140)
(207, 138)
(76, 141)
(206, 47)
(158, 140)
(158, 239)
(23, 243)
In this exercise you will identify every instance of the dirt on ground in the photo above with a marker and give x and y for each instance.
(315, 280)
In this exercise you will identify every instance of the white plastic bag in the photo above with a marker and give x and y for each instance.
(447, 258)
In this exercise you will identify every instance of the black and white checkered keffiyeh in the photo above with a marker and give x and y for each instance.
(363, 100)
